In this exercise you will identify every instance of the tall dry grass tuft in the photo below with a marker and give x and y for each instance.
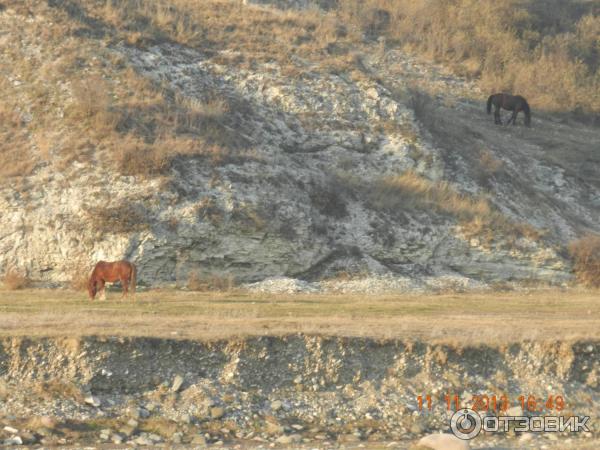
(92, 104)
(15, 279)
(586, 258)
(79, 281)
(412, 191)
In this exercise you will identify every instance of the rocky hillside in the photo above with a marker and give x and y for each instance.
(285, 392)
(194, 159)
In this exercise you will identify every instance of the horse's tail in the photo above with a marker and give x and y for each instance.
(489, 104)
(133, 277)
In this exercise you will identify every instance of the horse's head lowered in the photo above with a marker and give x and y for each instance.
(92, 290)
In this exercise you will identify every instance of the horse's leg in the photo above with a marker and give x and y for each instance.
(102, 289)
(125, 286)
(497, 119)
(514, 117)
(511, 118)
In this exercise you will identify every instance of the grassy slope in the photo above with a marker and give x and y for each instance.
(480, 317)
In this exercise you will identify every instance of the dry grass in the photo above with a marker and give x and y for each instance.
(586, 256)
(126, 217)
(412, 191)
(79, 281)
(489, 164)
(15, 279)
(545, 50)
(471, 317)
(52, 389)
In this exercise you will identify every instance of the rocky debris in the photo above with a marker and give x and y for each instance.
(177, 383)
(15, 440)
(289, 439)
(92, 400)
(198, 440)
(282, 286)
(217, 412)
(105, 434)
(287, 391)
(10, 429)
(442, 441)
(276, 405)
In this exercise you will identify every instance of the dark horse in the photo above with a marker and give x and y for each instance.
(514, 103)
(122, 271)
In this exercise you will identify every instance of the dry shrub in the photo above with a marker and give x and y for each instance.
(213, 109)
(476, 216)
(91, 104)
(488, 163)
(208, 209)
(250, 218)
(586, 257)
(158, 425)
(53, 389)
(15, 279)
(9, 116)
(126, 217)
(213, 282)
(79, 281)
(135, 157)
(412, 191)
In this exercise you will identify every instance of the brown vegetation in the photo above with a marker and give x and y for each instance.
(411, 191)
(546, 50)
(586, 258)
(79, 281)
(125, 217)
(15, 279)
(469, 317)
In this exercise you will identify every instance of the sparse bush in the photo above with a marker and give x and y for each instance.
(125, 217)
(91, 102)
(488, 163)
(135, 157)
(412, 191)
(15, 279)
(209, 210)
(79, 281)
(586, 258)
(250, 218)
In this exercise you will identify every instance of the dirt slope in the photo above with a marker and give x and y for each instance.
(383, 166)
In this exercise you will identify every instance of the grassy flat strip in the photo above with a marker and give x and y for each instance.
(479, 317)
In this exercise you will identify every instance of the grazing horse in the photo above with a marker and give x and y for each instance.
(514, 103)
(122, 271)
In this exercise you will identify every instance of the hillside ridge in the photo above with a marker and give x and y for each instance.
(390, 168)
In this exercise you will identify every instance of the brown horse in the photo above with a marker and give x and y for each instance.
(514, 103)
(122, 271)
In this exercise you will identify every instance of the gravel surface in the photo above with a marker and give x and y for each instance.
(294, 391)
